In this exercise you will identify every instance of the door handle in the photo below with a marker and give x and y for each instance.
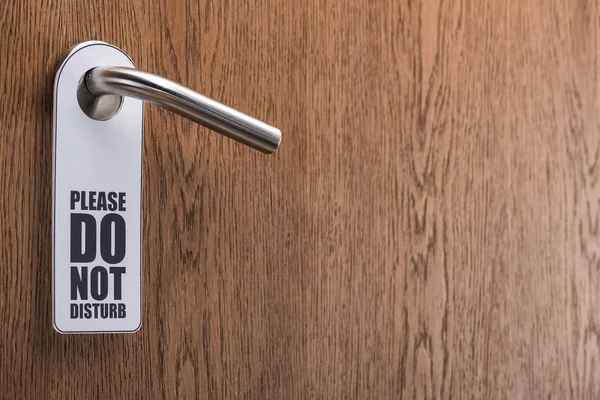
(100, 97)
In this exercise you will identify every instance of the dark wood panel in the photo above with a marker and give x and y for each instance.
(428, 228)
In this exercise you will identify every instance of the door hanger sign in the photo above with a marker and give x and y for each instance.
(97, 194)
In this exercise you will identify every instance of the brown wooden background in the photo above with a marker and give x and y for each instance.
(429, 227)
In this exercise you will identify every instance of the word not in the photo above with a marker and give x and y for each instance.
(98, 282)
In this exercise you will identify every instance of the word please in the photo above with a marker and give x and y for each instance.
(97, 201)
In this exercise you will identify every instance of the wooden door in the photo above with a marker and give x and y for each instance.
(428, 228)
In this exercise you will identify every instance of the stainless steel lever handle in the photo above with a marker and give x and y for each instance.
(120, 81)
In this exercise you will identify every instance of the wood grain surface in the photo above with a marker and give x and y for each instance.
(429, 227)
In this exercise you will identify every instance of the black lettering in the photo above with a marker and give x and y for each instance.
(79, 283)
(117, 272)
(75, 197)
(92, 200)
(112, 199)
(106, 238)
(83, 202)
(121, 201)
(98, 310)
(78, 255)
(101, 201)
(99, 283)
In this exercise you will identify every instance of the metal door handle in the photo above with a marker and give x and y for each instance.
(106, 85)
